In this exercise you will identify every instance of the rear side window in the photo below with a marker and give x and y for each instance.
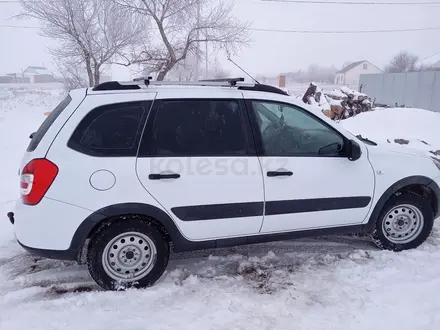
(111, 130)
(196, 128)
(38, 135)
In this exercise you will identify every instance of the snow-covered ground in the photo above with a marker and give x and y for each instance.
(332, 283)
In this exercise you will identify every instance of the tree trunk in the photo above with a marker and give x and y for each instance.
(89, 70)
(96, 74)
(162, 74)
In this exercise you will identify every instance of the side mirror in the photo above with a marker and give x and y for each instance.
(354, 151)
(32, 135)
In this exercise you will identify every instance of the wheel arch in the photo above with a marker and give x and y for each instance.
(417, 184)
(111, 213)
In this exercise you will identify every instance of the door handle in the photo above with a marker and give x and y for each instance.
(163, 176)
(279, 173)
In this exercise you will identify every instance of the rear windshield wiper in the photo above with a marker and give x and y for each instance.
(366, 140)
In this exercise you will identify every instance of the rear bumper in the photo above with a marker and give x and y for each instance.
(47, 229)
(68, 254)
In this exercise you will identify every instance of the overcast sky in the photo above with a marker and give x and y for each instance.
(274, 52)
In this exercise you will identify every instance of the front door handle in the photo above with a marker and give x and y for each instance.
(279, 173)
(163, 176)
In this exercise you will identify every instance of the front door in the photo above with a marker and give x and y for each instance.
(196, 160)
(308, 183)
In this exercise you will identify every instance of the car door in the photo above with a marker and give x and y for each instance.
(309, 183)
(198, 161)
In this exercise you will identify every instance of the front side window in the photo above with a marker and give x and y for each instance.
(197, 128)
(110, 130)
(286, 130)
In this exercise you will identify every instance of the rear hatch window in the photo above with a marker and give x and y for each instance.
(38, 135)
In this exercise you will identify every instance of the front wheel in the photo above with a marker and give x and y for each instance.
(404, 223)
(129, 252)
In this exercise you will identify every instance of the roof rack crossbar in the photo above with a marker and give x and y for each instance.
(229, 82)
(145, 80)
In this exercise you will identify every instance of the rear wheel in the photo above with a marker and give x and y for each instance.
(129, 252)
(405, 222)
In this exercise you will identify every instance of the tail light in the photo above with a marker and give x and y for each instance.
(36, 178)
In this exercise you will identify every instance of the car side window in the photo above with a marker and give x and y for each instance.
(44, 127)
(110, 130)
(197, 128)
(286, 130)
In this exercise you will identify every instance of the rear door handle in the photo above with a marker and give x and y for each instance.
(279, 173)
(163, 176)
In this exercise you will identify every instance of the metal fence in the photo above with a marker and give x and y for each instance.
(411, 89)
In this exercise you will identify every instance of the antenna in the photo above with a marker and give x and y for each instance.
(243, 70)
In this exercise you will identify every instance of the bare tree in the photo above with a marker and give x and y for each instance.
(185, 70)
(403, 62)
(220, 72)
(72, 71)
(181, 26)
(90, 32)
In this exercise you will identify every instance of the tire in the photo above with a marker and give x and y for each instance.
(404, 223)
(127, 253)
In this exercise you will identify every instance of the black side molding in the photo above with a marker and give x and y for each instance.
(218, 211)
(251, 209)
(316, 204)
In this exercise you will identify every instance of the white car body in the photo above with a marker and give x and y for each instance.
(90, 189)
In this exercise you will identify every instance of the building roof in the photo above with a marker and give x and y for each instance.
(350, 66)
(436, 65)
(37, 70)
(37, 67)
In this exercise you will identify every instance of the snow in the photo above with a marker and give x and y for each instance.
(336, 93)
(420, 128)
(327, 283)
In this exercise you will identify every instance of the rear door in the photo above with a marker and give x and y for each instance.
(96, 151)
(198, 161)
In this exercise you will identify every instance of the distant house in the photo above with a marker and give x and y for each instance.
(14, 78)
(350, 74)
(435, 66)
(38, 74)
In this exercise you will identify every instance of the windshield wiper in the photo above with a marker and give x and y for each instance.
(366, 140)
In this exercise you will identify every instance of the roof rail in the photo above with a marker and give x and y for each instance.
(224, 82)
(147, 81)
(264, 88)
